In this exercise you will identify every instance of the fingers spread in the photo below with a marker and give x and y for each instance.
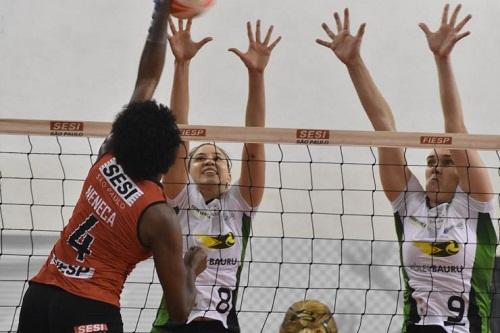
(236, 51)
(455, 15)
(250, 32)
(204, 41)
(444, 18)
(462, 35)
(268, 35)
(346, 19)
(425, 28)
(189, 23)
(322, 42)
(463, 22)
(337, 20)
(361, 31)
(271, 47)
(328, 31)
(257, 32)
(172, 25)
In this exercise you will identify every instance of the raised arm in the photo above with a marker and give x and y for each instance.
(393, 171)
(184, 49)
(256, 58)
(473, 177)
(152, 59)
(153, 54)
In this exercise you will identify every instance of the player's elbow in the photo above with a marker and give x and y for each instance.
(179, 313)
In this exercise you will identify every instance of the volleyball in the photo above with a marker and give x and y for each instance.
(189, 8)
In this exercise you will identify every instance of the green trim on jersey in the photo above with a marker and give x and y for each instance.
(406, 293)
(245, 235)
(162, 316)
(482, 271)
(232, 318)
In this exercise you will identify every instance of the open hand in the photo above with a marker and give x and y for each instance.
(258, 53)
(444, 39)
(345, 46)
(183, 47)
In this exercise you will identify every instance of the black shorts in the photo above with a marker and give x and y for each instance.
(49, 309)
(214, 326)
(425, 329)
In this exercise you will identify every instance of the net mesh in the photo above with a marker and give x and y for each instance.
(323, 231)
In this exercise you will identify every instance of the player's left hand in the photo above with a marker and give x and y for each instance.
(258, 53)
(345, 45)
(196, 257)
(442, 41)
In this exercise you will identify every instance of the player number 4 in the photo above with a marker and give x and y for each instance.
(81, 240)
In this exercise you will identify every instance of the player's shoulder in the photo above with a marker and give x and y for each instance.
(158, 211)
(463, 205)
(157, 220)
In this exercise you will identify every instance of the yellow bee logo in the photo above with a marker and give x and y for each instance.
(217, 242)
(439, 249)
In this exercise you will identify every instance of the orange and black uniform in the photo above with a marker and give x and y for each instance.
(97, 249)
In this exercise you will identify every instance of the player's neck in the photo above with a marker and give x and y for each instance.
(436, 198)
(211, 191)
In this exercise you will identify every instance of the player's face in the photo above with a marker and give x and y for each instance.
(209, 166)
(441, 174)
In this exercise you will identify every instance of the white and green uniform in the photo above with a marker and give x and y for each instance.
(222, 227)
(448, 255)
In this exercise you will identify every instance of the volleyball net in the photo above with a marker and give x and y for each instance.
(323, 231)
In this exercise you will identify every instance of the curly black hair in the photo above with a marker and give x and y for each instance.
(144, 139)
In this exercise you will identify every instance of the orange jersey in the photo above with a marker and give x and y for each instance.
(99, 247)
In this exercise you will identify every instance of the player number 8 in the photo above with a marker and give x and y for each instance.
(225, 296)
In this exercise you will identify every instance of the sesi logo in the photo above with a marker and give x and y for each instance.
(120, 182)
(66, 128)
(91, 328)
(312, 136)
(71, 126)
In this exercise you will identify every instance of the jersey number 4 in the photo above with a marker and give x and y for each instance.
(81, 240)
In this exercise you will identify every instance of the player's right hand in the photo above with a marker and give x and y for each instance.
(183, 47)
(196, 258)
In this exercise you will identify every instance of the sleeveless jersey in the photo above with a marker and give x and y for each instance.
(99, 247)
(448, 255)
(222, 227)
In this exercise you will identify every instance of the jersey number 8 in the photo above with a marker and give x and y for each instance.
(225, 297)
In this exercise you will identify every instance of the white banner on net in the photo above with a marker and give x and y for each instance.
(324, 230)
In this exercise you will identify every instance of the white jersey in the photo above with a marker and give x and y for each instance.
(448, 256)
(221, 226)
